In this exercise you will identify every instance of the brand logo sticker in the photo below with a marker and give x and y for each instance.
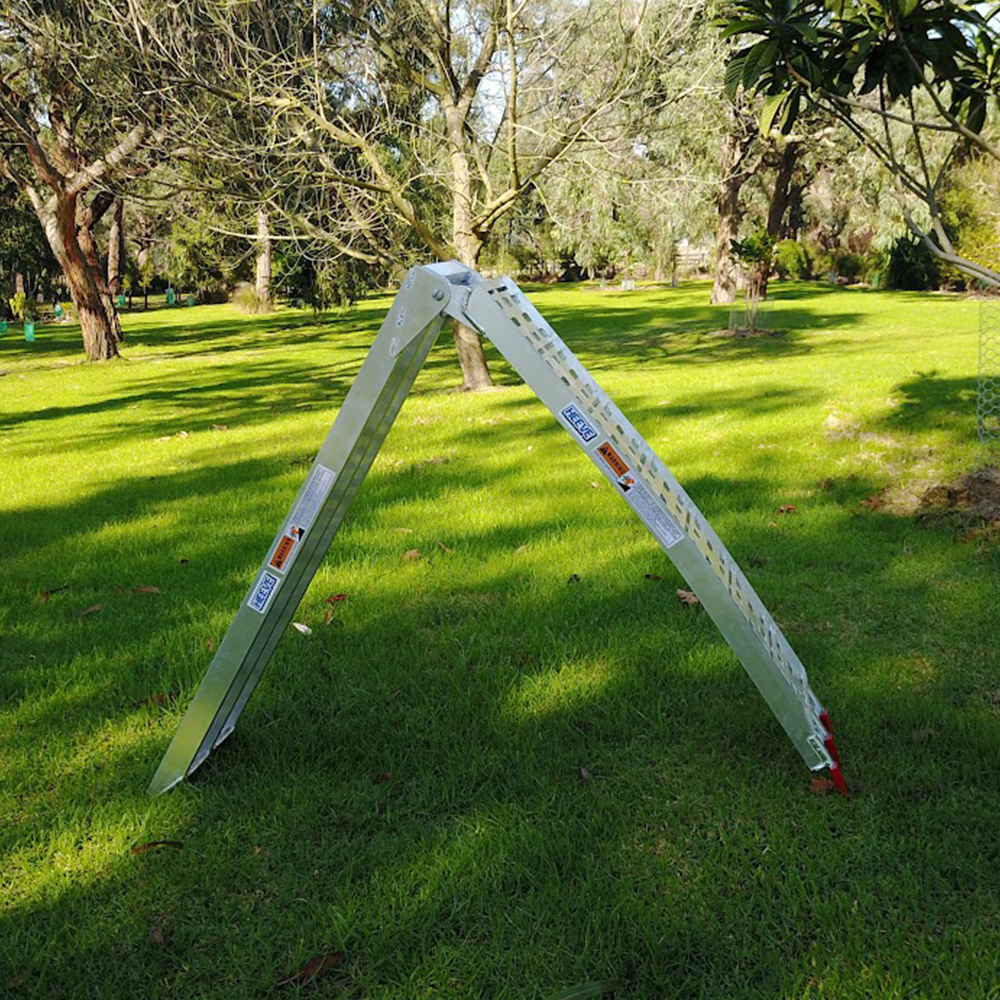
(579, 423)
(263, 592)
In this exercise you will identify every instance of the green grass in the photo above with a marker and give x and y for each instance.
(406, 784)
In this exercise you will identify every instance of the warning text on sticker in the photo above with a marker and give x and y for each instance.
(282, 553)
(613, 460)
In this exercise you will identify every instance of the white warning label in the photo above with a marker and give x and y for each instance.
(638, 497)
(289, 541)
(316, 491)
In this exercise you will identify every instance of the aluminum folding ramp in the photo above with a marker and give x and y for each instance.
(498, 310)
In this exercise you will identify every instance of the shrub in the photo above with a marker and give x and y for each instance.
(791, 260)
(912, 266)
(246, 299)
(849, 265)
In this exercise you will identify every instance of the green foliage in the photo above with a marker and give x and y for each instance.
(795, 49)
(23, 246)
(757, 248)
(791, 260)
(912, 266)
(200, 257)
(323, 283)
(18, 305)
(838, 262)
(246, 299)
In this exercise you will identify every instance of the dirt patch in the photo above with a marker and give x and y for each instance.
(971, 501)
(976, 496)
(838, 428)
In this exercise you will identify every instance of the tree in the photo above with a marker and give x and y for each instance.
(738, 159)
(68, 139)
(26, 261)
(915, 83)
(436, 114)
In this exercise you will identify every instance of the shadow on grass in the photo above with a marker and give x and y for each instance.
(408, 787)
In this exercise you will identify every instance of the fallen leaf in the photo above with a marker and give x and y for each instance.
(304, 629)
(183, 434)
(410, 554)
(393, 695)
(969, 536)
(444, 548)
(873, 503)
(382, 777)
(595, 485)
(220, 427)
(156, 699)
(826, 484)
(653, 577)
(46, 595)
(210, 644)
(145, 590)
(156, 935)
(687, 597)
(772, 524)
(822, 786)
(177, 845)
(585, 775)
(312, 968)
(521, 549)
(787, 508)
(92, 610)
(133, 406)
(334, 598)
(328, 615)
(574, 579)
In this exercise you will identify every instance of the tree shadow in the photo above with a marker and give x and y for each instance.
(406, 786)
(689, 845)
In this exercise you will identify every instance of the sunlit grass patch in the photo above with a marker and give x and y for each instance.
(515, 760)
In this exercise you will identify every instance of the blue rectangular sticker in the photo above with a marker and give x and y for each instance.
(579, 423)
(261, 595)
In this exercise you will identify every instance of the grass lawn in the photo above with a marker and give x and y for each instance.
(481, 780)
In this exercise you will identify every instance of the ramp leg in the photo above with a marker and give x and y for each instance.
(369, 410)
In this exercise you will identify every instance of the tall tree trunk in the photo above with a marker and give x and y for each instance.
(87, 216)
(727, 204)
(468, 244)
(795, 217)
(263, 282)
(85, 280)
(142, 257)
(776, 212)
(18, 283)
(116, 249)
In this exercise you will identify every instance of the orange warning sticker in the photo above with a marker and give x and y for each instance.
(282, 552)
(613, 460)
